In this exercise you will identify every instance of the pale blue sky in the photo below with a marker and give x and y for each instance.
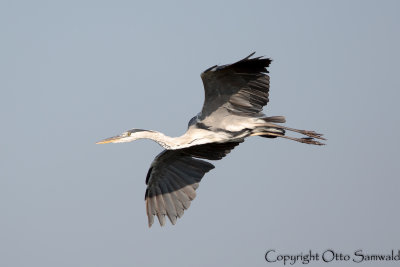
(74, 72)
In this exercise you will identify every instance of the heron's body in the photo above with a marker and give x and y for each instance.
(232, 111)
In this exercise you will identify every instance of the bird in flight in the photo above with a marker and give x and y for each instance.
(235, 95)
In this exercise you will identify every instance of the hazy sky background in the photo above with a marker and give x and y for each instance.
(74, 72)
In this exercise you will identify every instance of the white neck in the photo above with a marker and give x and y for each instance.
(163, 140)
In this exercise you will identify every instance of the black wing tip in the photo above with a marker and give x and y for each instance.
(210, 68)
(249, 56)
(260, 61)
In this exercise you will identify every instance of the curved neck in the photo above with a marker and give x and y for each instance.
(163, 140)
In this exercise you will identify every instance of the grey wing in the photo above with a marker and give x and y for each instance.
(174, 176)
(240, 88)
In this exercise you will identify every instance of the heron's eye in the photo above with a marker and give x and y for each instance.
(128, 133)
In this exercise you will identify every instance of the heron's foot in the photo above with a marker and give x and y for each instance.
(305, 140)
(312, 134)
(310, 140)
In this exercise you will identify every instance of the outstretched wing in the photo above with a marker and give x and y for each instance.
(174, 176)
(240, 88)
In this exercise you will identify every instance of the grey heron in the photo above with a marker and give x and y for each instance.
(235, 95)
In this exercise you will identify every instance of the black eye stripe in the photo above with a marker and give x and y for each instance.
(137, 130)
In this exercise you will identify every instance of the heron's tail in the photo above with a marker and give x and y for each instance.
(270, 130)
(276, 119)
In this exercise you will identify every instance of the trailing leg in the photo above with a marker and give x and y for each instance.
(269, 120)
(305, 140)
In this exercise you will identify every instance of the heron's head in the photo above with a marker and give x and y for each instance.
(127, 136)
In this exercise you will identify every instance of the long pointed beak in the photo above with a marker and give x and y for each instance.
(109, 140)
